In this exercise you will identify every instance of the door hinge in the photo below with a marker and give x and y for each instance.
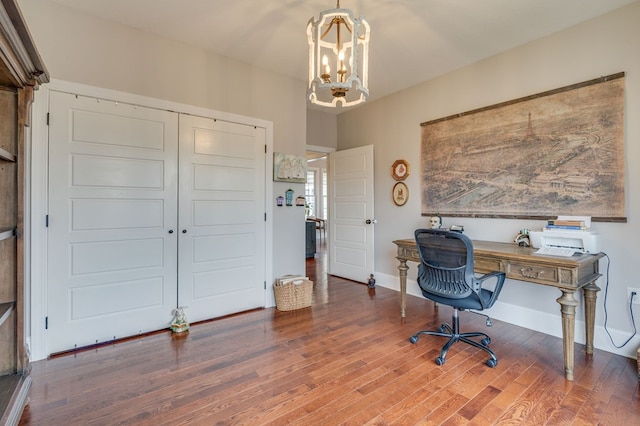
(46, 323)
(46, 221)
(48, 114)
(265, 216)
(265, 285)
(265, 148)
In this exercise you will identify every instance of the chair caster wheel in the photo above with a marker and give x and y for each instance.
(440, 361)
(413, 339)
(486, 341)
(442, 329)
(492, 362)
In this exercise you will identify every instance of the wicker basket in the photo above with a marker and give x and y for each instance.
(293, 294)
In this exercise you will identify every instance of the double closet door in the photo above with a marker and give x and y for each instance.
(149, 210)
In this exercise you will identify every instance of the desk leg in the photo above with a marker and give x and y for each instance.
(403, 268)
(568, 305)
(590, 293)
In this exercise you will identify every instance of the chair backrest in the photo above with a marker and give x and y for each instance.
(446, 267)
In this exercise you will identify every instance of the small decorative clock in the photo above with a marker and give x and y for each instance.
(400, 170)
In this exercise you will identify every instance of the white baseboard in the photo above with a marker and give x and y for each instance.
(531, 319)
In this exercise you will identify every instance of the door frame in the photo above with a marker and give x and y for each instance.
(36, 193)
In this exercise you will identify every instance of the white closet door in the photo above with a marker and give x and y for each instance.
(222, 217)
(112, 262)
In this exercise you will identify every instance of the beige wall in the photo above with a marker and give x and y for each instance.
(603, 46)
(82, 49)
(322, 129)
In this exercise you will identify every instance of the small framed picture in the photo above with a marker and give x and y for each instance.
(400, 170)
(400, 193)
(289, 168)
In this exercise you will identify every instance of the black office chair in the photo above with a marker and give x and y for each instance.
(446, 276)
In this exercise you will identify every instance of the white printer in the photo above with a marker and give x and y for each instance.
(580, 240)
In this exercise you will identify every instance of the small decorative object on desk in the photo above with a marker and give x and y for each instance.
(435, 222)
(292, 292)
(179, 323)
(522, 239)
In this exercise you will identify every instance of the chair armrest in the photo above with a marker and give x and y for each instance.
(499, 280)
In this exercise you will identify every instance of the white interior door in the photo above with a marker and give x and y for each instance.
(112, 263)
(222, 217)
(351, 248)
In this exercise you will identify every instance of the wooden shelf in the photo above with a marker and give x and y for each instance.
(6, 233)
(21, 71)
(7, 156)
(5, 311)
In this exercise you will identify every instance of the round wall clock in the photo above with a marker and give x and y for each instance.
(400, 193)
(400, 170)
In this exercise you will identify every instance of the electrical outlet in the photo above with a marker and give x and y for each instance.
(636, 297)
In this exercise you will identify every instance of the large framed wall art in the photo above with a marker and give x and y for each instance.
(559, 152)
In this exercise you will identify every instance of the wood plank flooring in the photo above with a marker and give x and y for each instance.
(346, 360)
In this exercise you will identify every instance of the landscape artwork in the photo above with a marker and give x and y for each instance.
(559, 152)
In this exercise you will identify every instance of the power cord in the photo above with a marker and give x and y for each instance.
(633, 320)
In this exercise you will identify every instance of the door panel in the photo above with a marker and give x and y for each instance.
(351, 248)
(223, 229)
(125, 173)
(112, 264)
(94, 214)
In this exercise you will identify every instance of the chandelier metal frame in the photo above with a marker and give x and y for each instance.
(338, 42)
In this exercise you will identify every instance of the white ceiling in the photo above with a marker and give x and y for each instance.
(411, 40)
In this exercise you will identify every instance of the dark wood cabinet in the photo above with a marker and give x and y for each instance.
(21, 71)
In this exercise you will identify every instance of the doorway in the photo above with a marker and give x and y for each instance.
(316, 193)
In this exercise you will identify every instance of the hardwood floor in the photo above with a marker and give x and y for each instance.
(346, 360)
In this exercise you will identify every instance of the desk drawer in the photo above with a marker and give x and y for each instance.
(537, 273)
(485, 265)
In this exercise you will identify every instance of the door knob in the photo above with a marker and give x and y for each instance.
(370, 221)
(171, 231)
(184, 231)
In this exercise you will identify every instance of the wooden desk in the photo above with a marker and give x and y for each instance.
(568, 274)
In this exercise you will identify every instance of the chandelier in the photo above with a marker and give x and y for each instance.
(338, 58)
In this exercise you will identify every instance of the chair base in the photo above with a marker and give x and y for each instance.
(454, 335)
